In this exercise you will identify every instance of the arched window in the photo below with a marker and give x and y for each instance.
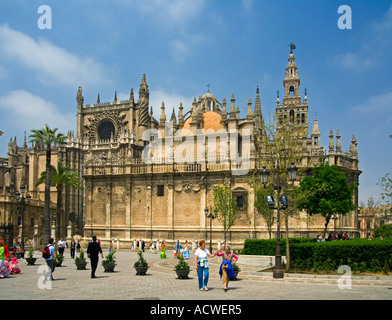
(291, 90)
(105, 129)
(209, 105)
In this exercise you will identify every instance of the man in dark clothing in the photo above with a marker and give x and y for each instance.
(93, 251)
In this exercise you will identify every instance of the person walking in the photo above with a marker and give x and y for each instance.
(73, 248)
(177, 248)
(93, 250)
(4, 272)
(226, 271)
(163, 250)
(201, 265)
(186, 250)
(61, 245)
(51, 261)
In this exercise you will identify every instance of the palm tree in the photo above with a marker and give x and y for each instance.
(47, 137)
(62, 176)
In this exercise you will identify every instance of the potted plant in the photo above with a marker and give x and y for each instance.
(30, 259)
(81, 261)
(182, 269)
(60, 258)
(109, 263)
(141, 266)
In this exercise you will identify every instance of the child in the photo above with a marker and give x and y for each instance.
(14, 269)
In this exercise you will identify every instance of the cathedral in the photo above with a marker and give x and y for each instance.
(152, 178)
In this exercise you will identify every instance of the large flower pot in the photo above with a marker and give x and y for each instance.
(30, 261)
(58, 264)
(182, 274)
(109, 267)
(141, 270)
(81, 265)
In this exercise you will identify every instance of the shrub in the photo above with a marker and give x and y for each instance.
(109, 259)
(182, 264)
(81, 257)
(141, 262)
(360, 253)
(362, 266)
(267, 247)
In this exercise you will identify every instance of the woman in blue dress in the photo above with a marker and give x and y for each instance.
(186, 250)
(226, 271)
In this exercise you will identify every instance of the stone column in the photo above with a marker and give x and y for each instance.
(20, 234)
(69, 232)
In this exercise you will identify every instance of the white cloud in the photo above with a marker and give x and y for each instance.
(3, 72)
(352, 61)
(23, 111)
(49, 62)
(381, 30)
(176, 19)
(173, 13)
(247, 4)
(377, 34)
(377, 104)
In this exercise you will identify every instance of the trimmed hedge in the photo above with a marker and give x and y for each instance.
(267, 247)
(360, 254)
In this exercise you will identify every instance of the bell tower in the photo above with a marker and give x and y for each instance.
(292, 109)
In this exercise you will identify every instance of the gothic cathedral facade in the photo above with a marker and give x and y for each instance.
(148, 178)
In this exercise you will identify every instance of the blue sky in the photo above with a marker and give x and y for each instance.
(182, 46)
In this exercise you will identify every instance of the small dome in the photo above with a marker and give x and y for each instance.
(212, 120)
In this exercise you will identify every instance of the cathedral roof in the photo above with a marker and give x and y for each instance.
(212, 120)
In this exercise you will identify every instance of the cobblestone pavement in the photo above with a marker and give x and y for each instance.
(161, 283)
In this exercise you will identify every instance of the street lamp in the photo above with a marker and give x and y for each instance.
(211, 217)
(23, 201)
(282, 204)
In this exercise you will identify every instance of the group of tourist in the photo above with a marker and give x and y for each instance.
(202, 266)
(8, 261)
(333, 236)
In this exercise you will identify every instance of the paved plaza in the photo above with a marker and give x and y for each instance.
(161, 283)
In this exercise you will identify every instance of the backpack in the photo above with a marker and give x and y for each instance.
(46, 252)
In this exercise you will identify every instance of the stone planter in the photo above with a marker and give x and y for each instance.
(31, 261)
(109, 267)
(81, 265)
(141, 270)
(182, 274)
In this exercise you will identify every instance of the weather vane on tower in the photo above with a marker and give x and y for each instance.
(292, 47)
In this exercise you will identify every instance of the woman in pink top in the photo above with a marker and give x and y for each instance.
(226, 269)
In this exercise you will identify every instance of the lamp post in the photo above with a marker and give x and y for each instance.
(24, 202)
(282, 204)
(211, 217)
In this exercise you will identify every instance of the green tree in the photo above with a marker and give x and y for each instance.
(47, 137)
(384, 231)
(279, 148)
(386, 185)
(262, 208)
(61, 176)
(326, 192)
(226, 207)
